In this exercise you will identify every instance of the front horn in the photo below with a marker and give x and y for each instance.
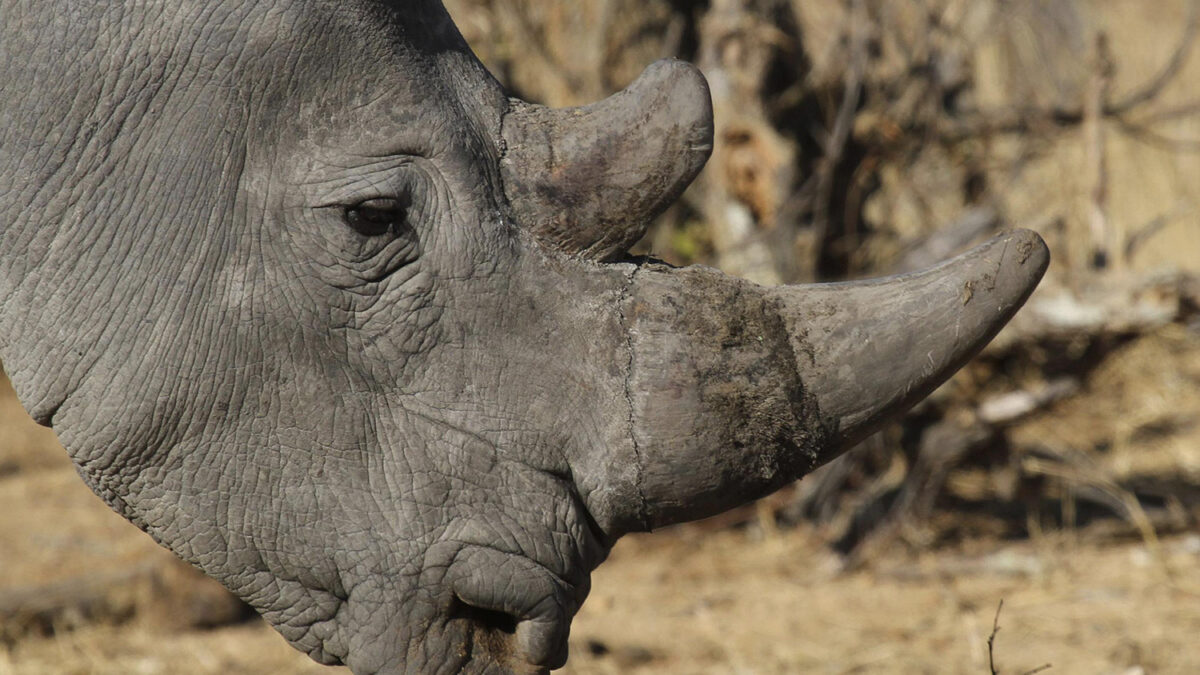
(587, 181)
(737, 389)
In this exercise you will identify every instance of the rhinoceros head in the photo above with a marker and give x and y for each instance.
(316, 305)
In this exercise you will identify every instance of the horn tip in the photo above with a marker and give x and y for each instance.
(685, 98)
(881, 346)
(1022, 262)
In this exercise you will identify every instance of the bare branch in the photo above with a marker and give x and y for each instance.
(1145, 134)
(992, 640)
(1104, 251)
(1190, 109)
(1169, 72)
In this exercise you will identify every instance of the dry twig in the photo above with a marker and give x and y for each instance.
(991, 643)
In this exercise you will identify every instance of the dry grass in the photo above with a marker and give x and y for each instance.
(724, 603)
(250, 649)
(1139, 417)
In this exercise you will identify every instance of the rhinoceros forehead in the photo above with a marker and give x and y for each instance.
(366, 78)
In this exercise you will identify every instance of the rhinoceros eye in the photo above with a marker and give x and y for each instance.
(375, 217)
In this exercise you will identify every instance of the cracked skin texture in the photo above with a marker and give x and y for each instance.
(259, 271)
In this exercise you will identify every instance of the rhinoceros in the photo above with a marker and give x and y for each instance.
(314, 303)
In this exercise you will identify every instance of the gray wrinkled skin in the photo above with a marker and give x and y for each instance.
(408, 442)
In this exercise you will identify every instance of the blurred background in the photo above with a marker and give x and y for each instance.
(1059, 472)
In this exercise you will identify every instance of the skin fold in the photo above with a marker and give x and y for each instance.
(310, 300)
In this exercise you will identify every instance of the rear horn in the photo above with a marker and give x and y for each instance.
(588, 181)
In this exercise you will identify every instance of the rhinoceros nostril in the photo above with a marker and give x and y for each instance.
(505, 638)
(491, 631)
(491, 621)
(515, 610)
